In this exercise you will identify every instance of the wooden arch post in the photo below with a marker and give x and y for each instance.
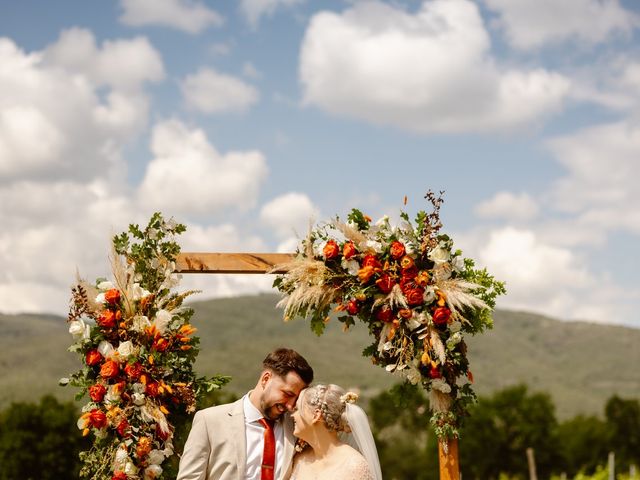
(260, 263)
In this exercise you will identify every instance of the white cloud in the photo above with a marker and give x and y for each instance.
(188, 175)
(249, 70)
(253, 10)
(509, 206)
(64, 113)
(190, 16)
(540, 276)
(534, 23)
(211, 92)
(429, 72)
(600, 186)
(289, 215)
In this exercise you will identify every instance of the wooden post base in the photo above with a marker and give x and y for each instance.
(448, 456)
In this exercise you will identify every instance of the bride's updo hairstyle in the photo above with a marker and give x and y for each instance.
(332, 402)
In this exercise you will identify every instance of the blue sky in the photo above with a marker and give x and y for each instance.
(245, 119)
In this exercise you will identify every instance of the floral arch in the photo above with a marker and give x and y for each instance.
(417, 296)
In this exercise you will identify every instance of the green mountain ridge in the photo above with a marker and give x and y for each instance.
(580, 364)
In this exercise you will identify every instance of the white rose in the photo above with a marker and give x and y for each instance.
(137, 292)
(382, 221)
(376, 246)
(162, 320)
(138, 399)
(429, 295)
(106, 349)
(156, 457)
(106, 285)
(458, 263)
(352, 266)
(152, 471)
(439, 255)
(455, 326)
(79, 330)
(126, 349)
(120, 459)
(100, 298)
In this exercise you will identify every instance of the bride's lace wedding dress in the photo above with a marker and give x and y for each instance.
(351, 466)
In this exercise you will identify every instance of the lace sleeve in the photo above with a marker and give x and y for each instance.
(357, 469)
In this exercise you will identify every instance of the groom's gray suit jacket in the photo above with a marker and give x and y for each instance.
(216, 448)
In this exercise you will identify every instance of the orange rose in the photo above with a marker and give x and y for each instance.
(93, 357)
(97, 418)
(441, 315)
(371, 261)
(152, 389)
(406, 313)
(385, 283)
(407, 262)
(331, 250)
(123, 427)
(119, 475)
(109, 369)
(112, 296)
(414, 296)
(349, 250)
(365, 274)
(97, 392)
(107, 319)
(133, 370)
(397, 249)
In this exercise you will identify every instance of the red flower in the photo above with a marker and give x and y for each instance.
(414, 296)
(441, 315)
(410, 273)
(434, 372)
(97, 418)
(97, 392)
(112, 296)
(109, 369)
(385, 314)
(152, 389)
(349, 250)
(397, 250)
(134, 370)
(119, 475)
(385, 283)
(122, 428)
(107, 319)
(160, 344)
(331, 250)
(352, 307)
(371, 261)
(93, 357)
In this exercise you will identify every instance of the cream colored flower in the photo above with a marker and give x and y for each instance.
(79, 330)
(440, 385)
(106, 349)
(351, 266)
(140, 322)
(126, 349)
(156, 457)
(439, 255)
(106, 285)
(162, 320)
(152, 471)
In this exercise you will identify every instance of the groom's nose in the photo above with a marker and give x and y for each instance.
(291, 403)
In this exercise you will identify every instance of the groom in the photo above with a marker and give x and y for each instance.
(251, 438)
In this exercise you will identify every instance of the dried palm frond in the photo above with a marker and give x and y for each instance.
(458, 296)
(395, 298)
(436, 344)
(350, 233)
(439, 402)
(91, 292)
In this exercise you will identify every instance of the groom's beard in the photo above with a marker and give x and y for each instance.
(273, 412)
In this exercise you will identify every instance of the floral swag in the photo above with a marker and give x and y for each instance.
(137, 349)
(417, 295)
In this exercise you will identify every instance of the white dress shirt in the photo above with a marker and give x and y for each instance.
(254, 432)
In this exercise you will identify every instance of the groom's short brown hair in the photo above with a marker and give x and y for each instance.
(284, 360)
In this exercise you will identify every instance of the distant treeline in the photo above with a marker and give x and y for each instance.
(41, 441)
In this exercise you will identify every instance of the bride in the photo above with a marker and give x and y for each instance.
(324, 414)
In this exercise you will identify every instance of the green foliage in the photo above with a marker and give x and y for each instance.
(623, 420)
(502, 427)
(583, 442)
(39, 441)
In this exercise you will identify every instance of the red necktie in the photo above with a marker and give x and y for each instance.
(269, 451)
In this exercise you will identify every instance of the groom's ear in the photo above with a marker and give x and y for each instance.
(265, 377)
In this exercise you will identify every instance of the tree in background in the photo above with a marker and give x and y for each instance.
(583, 443)
(40, 441)
(623, 423)
(408, 449)
(501, 428)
